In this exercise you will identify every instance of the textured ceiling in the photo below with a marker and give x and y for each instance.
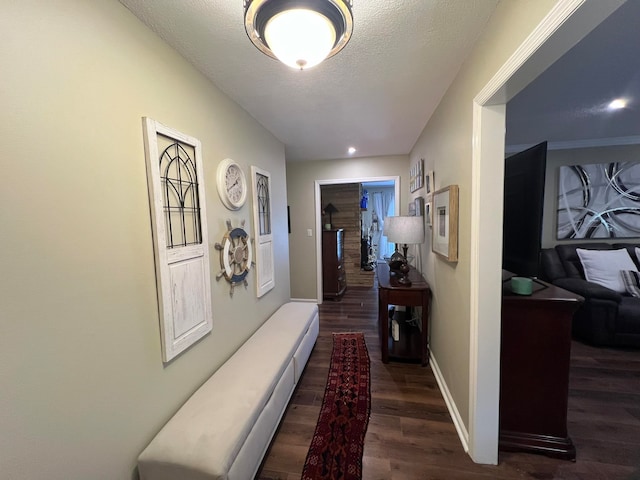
(377, 94)
(568, 102)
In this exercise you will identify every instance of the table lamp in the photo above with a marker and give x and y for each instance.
(330, 209)
(405, 231)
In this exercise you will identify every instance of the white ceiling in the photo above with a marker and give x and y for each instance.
(378, 93)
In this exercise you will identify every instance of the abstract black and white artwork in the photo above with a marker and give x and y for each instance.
(599, 201)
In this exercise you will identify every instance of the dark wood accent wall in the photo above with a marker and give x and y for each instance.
(346, 198)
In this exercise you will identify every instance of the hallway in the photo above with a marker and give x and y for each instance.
(411, 435)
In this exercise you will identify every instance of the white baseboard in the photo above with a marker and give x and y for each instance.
(306, 300)
(451, 405)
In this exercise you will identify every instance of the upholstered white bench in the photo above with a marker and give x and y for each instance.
(224, 429)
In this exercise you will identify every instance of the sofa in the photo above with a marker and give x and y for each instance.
(608, 316)
(223, 431)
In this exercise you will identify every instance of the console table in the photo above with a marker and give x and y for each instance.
(414, 342)
(534, 369)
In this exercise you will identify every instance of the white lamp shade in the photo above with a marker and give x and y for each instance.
(407, 230)
(300, 38)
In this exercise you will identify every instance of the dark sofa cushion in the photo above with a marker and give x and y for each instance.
(552, 268)
(587, 289)
(628, 320)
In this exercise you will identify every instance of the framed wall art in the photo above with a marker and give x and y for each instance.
(427, 214)
(262, 227)
(416, 176)
(419, 206)
(175, 179)
(429, 182)
(599, 201)
(444, 240)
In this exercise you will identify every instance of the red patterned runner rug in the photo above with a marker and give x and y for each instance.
(336, 448)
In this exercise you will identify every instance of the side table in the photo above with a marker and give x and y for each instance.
(390, 292)
(534, 370)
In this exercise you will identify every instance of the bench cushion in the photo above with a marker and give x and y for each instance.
(204, 437)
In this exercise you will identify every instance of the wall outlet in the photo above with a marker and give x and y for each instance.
(309, 232)
(395, 331)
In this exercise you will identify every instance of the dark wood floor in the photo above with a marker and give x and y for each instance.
(411, 435)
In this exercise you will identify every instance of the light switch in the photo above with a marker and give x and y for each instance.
(309, 232)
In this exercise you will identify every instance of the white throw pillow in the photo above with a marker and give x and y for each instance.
(603, 267)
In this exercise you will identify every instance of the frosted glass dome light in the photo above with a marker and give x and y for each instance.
(299, 33)
(300, 38)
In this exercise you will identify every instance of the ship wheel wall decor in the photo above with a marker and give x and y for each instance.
(236, 256)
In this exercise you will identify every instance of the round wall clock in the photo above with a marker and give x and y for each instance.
(232, 184)
(235, 256)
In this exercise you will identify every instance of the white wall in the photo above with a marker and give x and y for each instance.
(576, 156)
(84, 388)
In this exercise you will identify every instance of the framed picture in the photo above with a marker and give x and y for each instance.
(416, 176)
(412, 209)
(611, 191)
(427, 214)
(429, 182)
(444, 239)
(419, 206)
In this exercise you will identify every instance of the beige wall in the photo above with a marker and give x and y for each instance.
(576, 156)
(301, 196)
(446, 144)
(84, 388)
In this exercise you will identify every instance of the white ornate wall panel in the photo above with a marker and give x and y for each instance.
(179, 225)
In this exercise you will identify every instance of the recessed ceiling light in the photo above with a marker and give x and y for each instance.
(617, 104)
(351, 150)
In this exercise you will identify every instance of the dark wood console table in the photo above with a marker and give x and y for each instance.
(534, 369)
(390, 292)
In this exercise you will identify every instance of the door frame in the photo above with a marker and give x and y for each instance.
(566, 24)
(318, 214)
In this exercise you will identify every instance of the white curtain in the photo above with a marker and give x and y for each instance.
(383, 207)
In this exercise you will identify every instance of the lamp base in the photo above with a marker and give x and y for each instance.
(404, 271)
(396, 261)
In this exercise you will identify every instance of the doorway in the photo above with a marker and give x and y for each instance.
(391, 181)
(378, 203)
(575, 19)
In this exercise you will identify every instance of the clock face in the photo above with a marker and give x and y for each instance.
(232, 184)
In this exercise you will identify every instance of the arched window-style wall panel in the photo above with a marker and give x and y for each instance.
(180, 246)
(261, 189)
(180, 199)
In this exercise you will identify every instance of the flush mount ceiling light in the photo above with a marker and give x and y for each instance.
(299, 33)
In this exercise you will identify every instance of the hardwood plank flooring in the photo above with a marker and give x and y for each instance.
(411, 435)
